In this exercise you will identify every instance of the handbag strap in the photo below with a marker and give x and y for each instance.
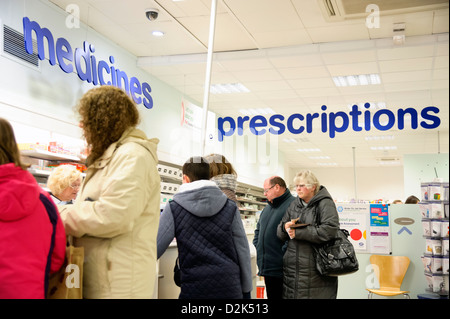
(53, 217)
(70, 240)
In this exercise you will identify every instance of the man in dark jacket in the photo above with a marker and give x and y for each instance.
(270, 249)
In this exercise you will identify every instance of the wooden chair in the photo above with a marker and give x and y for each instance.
(390, 271)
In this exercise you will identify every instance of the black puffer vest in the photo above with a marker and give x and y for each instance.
(208, 259)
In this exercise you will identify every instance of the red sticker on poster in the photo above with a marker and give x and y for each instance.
(356, 234)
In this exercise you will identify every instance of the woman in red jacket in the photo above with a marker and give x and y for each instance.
(32, 236)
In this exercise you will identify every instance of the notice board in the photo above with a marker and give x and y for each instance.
(368, 226)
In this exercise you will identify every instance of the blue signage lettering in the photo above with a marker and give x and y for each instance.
(382, 120)
(86, 65)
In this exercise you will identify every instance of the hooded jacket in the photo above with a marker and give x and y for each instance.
(204, 200)
(269, 248)
(26, 248)
(301, 280)
(115, 218)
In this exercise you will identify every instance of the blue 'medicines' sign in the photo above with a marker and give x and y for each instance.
(86, 65)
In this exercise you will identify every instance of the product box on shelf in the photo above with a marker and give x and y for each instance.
(435, 191)
(424, 191)
(169, 171)
(32, 147)
(169, 188)
(436, 209)
(165, 198)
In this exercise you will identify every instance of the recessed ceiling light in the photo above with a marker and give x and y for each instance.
(228, 88)
(379, 138)
(257, 111)
(394, 162)
(308, 150)
(353, 80)
(158, 33)
(327, 164)
(383, 148)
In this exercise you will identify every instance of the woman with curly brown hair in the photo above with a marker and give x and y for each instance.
(116, 214)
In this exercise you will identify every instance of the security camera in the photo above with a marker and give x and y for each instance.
(152, 14)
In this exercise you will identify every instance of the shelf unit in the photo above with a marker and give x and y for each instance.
(171, 179)
(37, 157)
(435, 222)
(46, 155)
(251, 201)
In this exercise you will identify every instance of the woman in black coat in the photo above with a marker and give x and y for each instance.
(313, 206)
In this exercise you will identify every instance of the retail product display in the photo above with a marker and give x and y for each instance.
(251, 201)
(171, 179)
(42, 161)
(435, 223)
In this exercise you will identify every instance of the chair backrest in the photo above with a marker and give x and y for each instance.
(390, 270)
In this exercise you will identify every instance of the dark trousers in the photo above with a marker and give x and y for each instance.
(274, 287)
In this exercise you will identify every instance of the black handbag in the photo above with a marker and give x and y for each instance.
(336, 257)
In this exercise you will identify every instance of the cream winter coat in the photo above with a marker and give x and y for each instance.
(115, 218)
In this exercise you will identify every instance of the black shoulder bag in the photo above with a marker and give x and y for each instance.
(336, 257)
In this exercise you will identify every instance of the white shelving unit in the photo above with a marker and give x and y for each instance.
(41, 175)
(435, 222)
(251, 201)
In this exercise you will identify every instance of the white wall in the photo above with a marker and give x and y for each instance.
(372, 183)
(424, 168)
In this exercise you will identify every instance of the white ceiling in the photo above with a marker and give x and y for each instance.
(286, 52)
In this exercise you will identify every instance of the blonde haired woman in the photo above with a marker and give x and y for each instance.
(315, 207)
(64, 183)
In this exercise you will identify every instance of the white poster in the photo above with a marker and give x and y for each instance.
(187, 139)
(380, 232)
(191, 117)
(353, 218)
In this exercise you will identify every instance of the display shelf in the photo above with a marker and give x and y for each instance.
(37, 158)
(435, 225)
(171, 179)
(46, 155)
(250, 198)
(39, 172)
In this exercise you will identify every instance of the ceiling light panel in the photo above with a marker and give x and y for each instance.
(257, 111)
(354, 80)
(229, 88)
(308, 150)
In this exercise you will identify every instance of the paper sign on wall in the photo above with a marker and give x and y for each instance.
(353, 218)
(380, 237)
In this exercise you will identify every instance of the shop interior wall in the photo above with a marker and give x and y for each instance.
(410, 244)
(44, 98)
(424, 168)
(381, 183)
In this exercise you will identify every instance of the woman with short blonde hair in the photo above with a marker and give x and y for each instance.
(64, 183)
(315, 210)
(308, 178)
